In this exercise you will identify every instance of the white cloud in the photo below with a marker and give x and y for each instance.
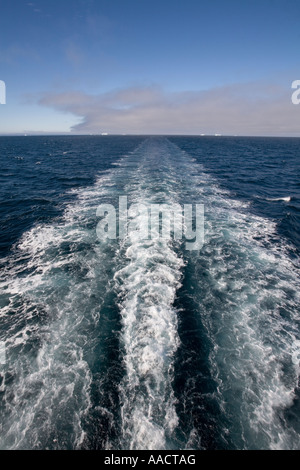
(242, 109)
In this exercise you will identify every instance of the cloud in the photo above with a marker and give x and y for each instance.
(241, 109)
(32, 5)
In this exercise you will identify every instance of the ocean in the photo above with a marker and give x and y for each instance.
(133, 343)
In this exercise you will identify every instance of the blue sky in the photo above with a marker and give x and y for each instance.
(140, 66)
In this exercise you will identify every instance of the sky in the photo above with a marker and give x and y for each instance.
(150, 67)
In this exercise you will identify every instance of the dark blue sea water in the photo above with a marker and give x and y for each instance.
(143, 344)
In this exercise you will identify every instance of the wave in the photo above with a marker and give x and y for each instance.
(285, 199)
(249, 305)
(146, 283)
(276, 199)
(54, 286)
(62, 284)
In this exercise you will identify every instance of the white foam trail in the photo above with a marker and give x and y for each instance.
(276, 199)
(250, 307)
(54, 283)
(147, 282)
(150, 341)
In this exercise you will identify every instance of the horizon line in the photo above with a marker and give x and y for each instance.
(68, 134)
